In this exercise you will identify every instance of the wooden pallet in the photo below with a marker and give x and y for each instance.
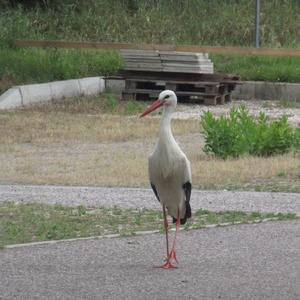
(210, 89)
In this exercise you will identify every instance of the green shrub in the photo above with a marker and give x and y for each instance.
(272, 137)
(297, 137)
(240, 134)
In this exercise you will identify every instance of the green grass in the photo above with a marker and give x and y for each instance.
(33, 65)
(288, 104)
(22, 223)
(214, 22)
(259, 68)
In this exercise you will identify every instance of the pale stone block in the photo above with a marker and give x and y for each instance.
(35, 93)
(11, 99)
(64, 89)
(91, 86)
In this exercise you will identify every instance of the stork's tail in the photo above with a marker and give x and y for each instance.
(188, 213)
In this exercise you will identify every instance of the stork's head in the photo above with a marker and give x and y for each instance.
(166, 98)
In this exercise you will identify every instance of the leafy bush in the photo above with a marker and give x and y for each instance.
(240, 134)
(297, 137)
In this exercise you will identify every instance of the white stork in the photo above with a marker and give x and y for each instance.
(170, 172)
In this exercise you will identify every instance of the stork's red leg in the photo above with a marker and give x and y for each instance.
(170, 255)
(173, 251)
(167, 264)
(166, 229)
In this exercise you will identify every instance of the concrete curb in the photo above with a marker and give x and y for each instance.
(138, 233)
(36, 93)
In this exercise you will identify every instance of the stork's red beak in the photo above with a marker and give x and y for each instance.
(156, 104)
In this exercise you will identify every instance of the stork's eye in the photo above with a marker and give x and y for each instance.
(166, 97)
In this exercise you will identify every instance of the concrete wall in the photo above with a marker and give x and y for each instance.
(267, 91)
(115, 86)
(35, 93)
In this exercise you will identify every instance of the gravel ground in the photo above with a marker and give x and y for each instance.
(144, 198)
(271, 108)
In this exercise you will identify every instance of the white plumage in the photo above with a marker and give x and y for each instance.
(169, 168)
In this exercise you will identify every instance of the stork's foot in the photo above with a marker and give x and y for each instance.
(168, 265)
(172, 255)
(169, 261)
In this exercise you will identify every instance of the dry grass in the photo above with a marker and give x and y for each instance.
(125, 164)
(278, 173)
(61, 145)
(46, 125)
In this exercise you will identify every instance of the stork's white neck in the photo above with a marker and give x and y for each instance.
(165, 123)
(167, 150)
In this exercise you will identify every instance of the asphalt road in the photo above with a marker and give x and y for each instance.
(258, 261)
(131, 197)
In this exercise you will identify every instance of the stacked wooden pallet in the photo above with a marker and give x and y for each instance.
(210, 89)
(167, 61)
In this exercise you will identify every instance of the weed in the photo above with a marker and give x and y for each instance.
(133, 107)
(111, 102)
(281, 174)
(258, 188)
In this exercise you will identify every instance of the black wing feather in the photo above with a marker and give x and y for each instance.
(187, 187)
(155, 191)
